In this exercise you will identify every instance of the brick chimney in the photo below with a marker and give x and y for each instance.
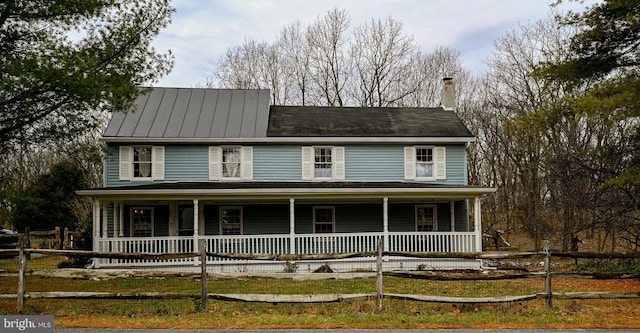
(448, 97)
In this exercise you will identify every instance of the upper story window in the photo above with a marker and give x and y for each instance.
(144, 163)
(230, 163)
(323, 220)
(323, 163)
(425, 163)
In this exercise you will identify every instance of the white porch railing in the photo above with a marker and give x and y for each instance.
(281, 244)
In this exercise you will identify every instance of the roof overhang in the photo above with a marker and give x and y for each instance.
(285, 140)
(299, 191)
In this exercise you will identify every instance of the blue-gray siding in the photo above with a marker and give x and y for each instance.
(283, 163)
(261, 219)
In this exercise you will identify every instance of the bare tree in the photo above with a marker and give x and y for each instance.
(296, 62)
(382, 61)
(330, 65)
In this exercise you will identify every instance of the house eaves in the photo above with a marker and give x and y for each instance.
(287, 140)
(283, 190)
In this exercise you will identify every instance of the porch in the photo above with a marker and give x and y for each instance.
(289, 221)
(294, 244)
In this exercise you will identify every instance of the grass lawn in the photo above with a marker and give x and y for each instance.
(183, 313)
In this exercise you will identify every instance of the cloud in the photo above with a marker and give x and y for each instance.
(201, 31)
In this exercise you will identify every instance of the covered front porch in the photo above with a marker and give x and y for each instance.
(288, 221)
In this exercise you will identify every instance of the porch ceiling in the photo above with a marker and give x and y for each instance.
(285, 190)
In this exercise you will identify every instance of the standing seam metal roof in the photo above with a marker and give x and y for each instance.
(194, 113)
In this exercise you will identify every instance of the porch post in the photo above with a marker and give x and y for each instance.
(121, 220)
(96, 224)
(477, 224)
(292, 226)
(385, 222)
(196, 223)
(116, 219)
(452, 213)
(105, 220)
(196, 232)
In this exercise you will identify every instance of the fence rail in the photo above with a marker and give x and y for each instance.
(548, 293)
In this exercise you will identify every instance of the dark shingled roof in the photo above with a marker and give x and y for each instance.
(313, 121)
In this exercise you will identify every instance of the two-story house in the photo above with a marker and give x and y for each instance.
(249, 177)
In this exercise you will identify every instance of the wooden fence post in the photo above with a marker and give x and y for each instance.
(65, 240)
(58, 244)
(22, 268)
(27, 240)
(379, 294)
(547, 269)
(202, 244)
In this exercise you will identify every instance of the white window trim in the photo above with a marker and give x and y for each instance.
(333, 217)
(435, 216)
(337, 163)
(126, 160)
(215, 163)
(433, 162)
(439, 163)
(153, 219)
(241, 219)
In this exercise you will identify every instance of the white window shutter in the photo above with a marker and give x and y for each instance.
(307, 163)
(409, 163)
(247, 163)
(215, 160)
(440, 162)
(125, 163)
(338, 163)
(158, 162)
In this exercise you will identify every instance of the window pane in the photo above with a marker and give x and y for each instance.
(323, 164)
(231, 162)
(424, 162)
(323, 220)
(142, 222)
(426, 219)
(185, 220)
(142, 162)
(231, 221)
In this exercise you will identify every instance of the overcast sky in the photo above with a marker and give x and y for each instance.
(202, 29)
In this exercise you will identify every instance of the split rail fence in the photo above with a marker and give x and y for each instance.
(23, 254)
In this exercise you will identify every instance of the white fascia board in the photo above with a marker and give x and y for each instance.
(293, 192)
(281, 140)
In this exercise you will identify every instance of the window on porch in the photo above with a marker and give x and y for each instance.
(142, 221)
(426, 218)
(185, 220)
(323, 220)
(231, 220)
